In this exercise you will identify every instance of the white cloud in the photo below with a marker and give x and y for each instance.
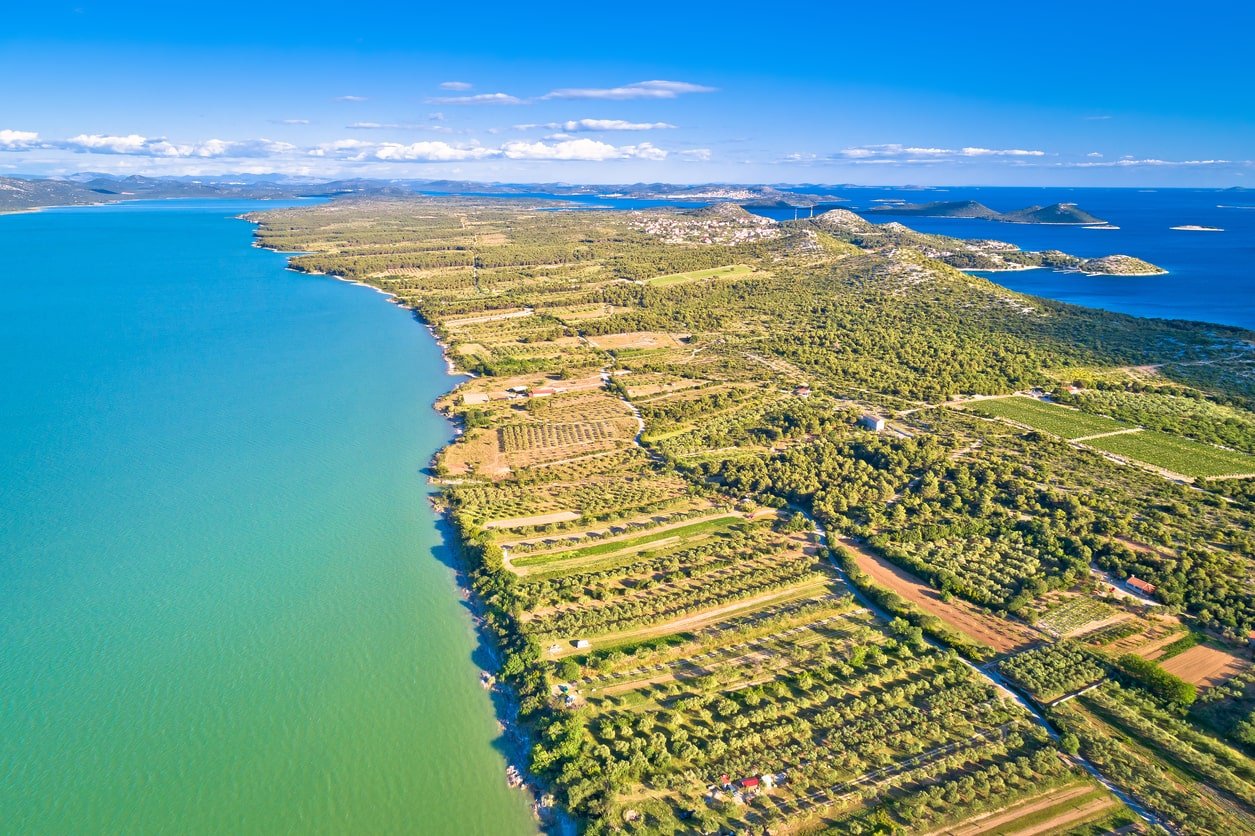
(700, 154)
(431, 152)
(293, 121)
(895, 152)
(350, 98)
(478, 98)
(636, 90)
(137, 145)
(456, 85)
(1128, 162)
(587, 125)
(1000, 152)
(1094, 154)
(17, 140)
(587, 150)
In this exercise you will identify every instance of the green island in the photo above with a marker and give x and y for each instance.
(1057, 213)
(796, 527)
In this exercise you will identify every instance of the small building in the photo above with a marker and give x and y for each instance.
(872, 422)
(542, 391)
(802, 391)
(1141, 585)
(583, 643)
(750, 783)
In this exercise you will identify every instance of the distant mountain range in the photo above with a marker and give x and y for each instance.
(22, 193)
(1058, 213)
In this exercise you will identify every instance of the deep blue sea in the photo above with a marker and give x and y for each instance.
(1211, 275)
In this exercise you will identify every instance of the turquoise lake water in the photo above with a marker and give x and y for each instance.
(224, 603)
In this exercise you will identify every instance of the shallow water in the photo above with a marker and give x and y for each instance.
(224, 602)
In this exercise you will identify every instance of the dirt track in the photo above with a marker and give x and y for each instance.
(1000, 634)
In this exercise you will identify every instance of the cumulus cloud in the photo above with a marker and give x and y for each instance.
(18, 140)
(478, 98)
(594, 125)
(431, 152)
(1094, 154)
(637, 90)
(573, 150)
(699, 154)
(587, 150)
(456, 85)
(1126, 162)
(137, 145)
(911, 153)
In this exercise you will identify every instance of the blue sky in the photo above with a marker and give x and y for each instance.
(1117, 93)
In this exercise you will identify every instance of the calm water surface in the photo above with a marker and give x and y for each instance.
(224, 603)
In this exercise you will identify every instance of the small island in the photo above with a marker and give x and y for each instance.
(1196, 228)
(1057, 213)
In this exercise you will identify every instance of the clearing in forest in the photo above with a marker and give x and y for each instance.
(731, 271)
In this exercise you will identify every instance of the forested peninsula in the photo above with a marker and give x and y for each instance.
(796, 527)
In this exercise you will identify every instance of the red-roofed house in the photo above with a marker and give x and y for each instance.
(748, 783)
(1141, 585)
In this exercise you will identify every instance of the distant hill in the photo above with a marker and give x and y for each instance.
(1058, 213)
(941, 209)
(17, 194)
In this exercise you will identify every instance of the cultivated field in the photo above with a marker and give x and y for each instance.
(1203, 665)
(1039, 415)
(1178, 455)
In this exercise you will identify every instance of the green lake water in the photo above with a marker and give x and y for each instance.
(225, 606)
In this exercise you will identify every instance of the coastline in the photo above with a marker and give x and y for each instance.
(502, 697)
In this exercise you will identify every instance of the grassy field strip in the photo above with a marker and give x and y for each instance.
(608, 548)
(763, 561)
(609, 545)
(1062, 421)
(731, 271)
(1026, 813)
(1172, 453)
(706, 663)
(1154, 752)
(1179, 455)
(720, 651)
(701, 619)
